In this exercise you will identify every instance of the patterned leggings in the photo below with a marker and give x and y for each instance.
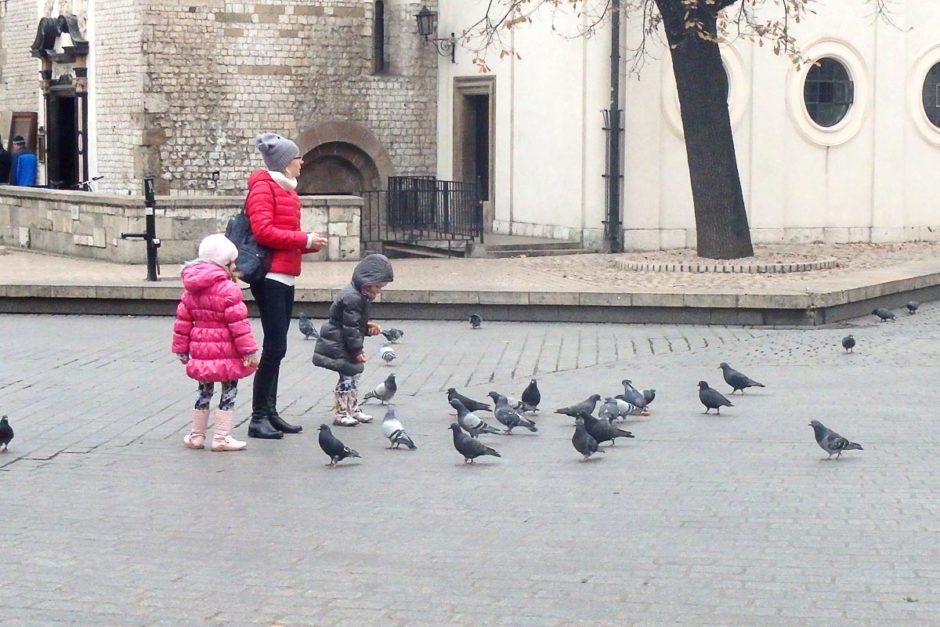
(347, 383)
(226, 402)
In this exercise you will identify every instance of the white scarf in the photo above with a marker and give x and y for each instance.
(283, 180)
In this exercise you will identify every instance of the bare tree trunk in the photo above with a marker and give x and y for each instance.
(722, 230)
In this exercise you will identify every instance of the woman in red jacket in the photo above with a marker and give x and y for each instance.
(273, 207)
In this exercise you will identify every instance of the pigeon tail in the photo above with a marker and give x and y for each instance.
(853, 446)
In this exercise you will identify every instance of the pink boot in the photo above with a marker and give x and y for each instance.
(222, 439)
(197, 434)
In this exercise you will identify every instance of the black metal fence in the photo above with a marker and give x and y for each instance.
(422, 210)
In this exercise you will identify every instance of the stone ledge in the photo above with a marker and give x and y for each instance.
(727, 268)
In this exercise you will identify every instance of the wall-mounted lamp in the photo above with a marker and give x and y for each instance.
(427, 28)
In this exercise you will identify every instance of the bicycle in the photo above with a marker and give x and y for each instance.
(88, 185)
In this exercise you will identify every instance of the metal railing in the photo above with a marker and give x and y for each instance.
(421, 210)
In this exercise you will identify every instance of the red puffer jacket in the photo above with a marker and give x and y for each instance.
(212, 325)
(274, 213)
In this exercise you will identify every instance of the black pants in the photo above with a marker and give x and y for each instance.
(275, 302)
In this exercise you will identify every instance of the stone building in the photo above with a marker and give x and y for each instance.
(178, 90)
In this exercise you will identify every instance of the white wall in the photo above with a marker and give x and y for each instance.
(869, 178)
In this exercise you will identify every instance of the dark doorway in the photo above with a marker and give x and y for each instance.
(64, 145)
(473, 138)
(480, 131)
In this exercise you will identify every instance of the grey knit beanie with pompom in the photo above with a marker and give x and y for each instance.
(277, 151)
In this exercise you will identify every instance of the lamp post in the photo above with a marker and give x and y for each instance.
(427, 28)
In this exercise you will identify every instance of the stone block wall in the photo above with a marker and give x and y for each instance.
(90, 225)
(19, 71)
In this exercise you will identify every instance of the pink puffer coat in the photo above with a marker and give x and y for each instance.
(212, 325)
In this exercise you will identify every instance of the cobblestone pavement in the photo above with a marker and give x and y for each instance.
(735, 519)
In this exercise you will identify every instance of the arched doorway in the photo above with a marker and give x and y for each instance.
(338, 168)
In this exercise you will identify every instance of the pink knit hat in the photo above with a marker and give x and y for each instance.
(219, 249)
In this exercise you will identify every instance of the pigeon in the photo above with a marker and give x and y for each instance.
(649, 396)
(884, 314)
(476, 321)
(6, 433)
(583, 441)
(712, 399)
(508, 416)
(393, 335)
(832, 442)
(469, 403)
(737, 380)
(618, 409)
(632, 395)
(848, 342)
(470, 422)
(912, 307)
(396, 434)
(306, 327)
(587, 405)
(531, 397)
(387, 353)
(336, 450)
(469, 447)
(384, 391)
(602, 430)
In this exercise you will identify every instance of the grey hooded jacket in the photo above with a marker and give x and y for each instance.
(342, 335)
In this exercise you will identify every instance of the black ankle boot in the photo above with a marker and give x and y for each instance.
(279, 423)
(260, 427)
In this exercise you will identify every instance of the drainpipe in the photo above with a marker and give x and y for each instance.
(613, 227)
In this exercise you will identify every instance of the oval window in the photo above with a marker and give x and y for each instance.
(828, 92)
(931, 95)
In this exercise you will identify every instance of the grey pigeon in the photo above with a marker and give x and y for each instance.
(470, 422)
(387, 353)
(884, 314)
(712, 399)
(336, 450)
(306, 327)
(394, 431)
(531, 397)
(848, 342)
(831, 442)
(583, 441)
(393, 335)
(6, 433)
(631, 394)
(618, 409)
(602, 430)
(468, 402)
(912, 307)
(587, 405)
(508, 416)
(384, 391)
(476, 321)
(649, 396)
(737, 380)
(469, 447)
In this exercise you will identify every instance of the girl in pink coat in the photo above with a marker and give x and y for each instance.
(212, 337)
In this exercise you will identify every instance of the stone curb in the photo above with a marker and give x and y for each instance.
(727, 268)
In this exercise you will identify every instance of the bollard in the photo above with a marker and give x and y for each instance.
(150, 236)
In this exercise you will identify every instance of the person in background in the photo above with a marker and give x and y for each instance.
(5, 158)
(22, 164)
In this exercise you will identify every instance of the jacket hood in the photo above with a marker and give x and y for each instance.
(201, 274)
(373, 269)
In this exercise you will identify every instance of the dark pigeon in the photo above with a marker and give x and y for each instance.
(848, 342)
(393, 335)
(602, 430)
(587, 405)
(468, 447)
(912, 307)
(712, 399)
(583, 441)
(649, 396)
(6, 433)
(470, 422)
(831, 442)
(631, 394)
(531, 397)
(384, 391)
(508, 416)
(737, 380)
(306, 327)
(469, 403)
(884, 314)
(476, 321)
(336, 450)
